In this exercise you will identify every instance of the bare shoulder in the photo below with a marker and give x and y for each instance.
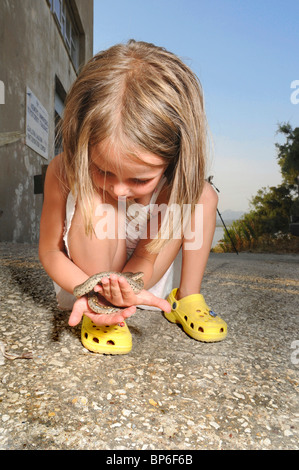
(55, 179)
(208, 195)
(55, 194)
(54, 209)
(55, 163)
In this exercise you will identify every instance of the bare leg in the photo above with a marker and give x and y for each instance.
(194, 261)
(91, 253)
(188, 307)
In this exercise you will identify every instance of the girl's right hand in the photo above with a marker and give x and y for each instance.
(81, 307)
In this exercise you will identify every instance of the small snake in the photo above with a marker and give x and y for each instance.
(86, 288)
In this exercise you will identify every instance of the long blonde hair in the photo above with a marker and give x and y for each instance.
(142, 94)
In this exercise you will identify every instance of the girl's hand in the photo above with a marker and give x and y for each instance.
(81, 307)
(118, 291)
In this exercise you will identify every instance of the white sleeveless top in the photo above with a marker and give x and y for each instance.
(161, 289)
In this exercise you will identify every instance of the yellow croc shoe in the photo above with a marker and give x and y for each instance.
(113, 339)
(196, 318)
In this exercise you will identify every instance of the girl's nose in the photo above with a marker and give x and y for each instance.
(119, 189)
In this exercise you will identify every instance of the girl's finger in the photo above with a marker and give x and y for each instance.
(77, 312)
(106, 286)
(126, 289)
(115, 289)
(98, 288)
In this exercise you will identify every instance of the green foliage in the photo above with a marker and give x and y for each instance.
(295, 208)
(271, 210)
(241, 234)
(288, 153)
(267, 223)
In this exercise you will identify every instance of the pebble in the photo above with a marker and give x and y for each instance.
(266, 442)
(214, 424)
(239, 395)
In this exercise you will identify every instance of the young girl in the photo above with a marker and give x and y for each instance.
(134, 131)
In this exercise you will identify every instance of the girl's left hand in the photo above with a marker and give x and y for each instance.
(118, 291)
(81, 308)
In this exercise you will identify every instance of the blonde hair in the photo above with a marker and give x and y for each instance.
(140, 94)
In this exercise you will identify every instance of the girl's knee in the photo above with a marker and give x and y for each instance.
(103, 249)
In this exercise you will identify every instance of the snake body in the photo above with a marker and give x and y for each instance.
(86, 288)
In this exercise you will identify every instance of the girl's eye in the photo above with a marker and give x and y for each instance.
(140, 182)
(134, 180)
(102, 172)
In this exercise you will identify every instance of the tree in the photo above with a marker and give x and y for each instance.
(288, 154)
(272, 207)
(271, 210)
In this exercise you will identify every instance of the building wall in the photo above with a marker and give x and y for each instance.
(32, 54)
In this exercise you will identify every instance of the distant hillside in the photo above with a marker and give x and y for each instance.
(229, 216)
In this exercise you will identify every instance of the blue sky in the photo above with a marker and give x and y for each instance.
(245, 53)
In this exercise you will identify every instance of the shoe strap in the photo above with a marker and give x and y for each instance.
(198, 298)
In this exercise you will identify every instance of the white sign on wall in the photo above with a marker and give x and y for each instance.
(37, 125)
(2, 92)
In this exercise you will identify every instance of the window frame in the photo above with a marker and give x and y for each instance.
(61, 11)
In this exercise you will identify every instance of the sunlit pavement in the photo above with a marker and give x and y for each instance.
(170, 392)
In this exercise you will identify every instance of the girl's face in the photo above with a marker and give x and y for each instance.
(124, 176)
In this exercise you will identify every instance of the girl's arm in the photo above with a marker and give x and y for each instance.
(51, 248)
(142, 260)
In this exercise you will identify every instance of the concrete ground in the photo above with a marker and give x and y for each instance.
(170, 392)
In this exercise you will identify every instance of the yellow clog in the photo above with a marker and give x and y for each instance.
(113, 339)
(196, 318)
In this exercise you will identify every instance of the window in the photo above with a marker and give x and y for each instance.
(60, 96)
(62, 13)
(57, 10)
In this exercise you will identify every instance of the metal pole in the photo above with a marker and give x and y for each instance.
(232, 242)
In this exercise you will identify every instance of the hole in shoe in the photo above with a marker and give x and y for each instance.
(221, 330)
(110, 342)
(96, 340)
(200, 328)
(191, 325)
(185, 317)
(86, 335)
